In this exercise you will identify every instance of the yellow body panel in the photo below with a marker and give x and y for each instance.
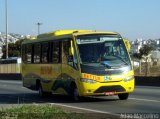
(47, 73)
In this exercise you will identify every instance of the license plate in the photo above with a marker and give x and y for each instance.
(109, 93)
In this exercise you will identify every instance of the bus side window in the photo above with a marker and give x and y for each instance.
(65, 52)
(24, 53)
(37, 52)
(29, 53)
(45, 52)
(55, 52)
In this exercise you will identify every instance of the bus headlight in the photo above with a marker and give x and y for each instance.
(129, 78)
(88, 81)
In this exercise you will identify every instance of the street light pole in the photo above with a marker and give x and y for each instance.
(38, 24)
(6, 19)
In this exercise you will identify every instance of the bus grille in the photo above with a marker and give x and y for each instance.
(110, 89)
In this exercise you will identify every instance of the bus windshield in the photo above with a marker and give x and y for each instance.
(102, 50)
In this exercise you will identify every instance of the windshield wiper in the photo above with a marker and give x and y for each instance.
(126, 63)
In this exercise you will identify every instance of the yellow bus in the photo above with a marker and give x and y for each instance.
(78, 63)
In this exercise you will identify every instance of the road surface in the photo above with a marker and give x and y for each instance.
(144, 99)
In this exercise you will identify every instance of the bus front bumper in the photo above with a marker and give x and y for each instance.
(109, 88)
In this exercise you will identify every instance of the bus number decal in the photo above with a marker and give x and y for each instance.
(89, 76)
(46, 70)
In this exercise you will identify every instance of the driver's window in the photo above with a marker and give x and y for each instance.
(66, 58)
(75, 60)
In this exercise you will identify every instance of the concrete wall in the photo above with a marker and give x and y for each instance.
(147, 81)
(10, 68)
(10, 76)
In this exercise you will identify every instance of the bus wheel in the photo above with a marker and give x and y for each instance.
(74, 93)
(42, 93)
(40, 90)
(123, 96)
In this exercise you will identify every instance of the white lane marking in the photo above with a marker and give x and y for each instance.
(85, 109)
(144, 100)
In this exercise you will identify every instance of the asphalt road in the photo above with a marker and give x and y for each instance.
(144, 99)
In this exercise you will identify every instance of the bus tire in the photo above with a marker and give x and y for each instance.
(74, 92)
(43, 93)
(40, 90)
(123, 96)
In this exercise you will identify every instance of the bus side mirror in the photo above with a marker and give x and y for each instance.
(127, 44)
(71, 50)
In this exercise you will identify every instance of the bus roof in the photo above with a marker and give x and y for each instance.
(74, 32)
(64, 33)
(61, 32)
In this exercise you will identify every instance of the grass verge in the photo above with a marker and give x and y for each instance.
(38, 112)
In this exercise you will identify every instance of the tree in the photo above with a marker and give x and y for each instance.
(144, 54)
(145, 50)
(14, 49)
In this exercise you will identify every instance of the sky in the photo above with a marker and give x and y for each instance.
(131, 18)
